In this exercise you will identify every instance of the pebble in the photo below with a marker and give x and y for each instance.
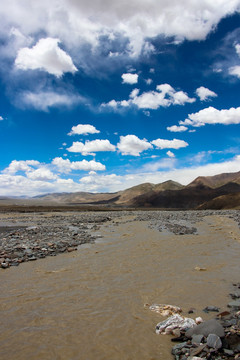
(47, 235)
(211, 308)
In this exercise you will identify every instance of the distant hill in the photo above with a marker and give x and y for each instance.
(210, 192)
(217, 180)
(230, 201)
(185, 198)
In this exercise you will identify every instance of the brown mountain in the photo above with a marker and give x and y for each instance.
(204, 192)
(123, 198)
(186, 198)
(217, 180)
(230, 201)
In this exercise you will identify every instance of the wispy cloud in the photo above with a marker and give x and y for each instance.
(44, 100)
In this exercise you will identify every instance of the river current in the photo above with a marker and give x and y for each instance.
(91, 304)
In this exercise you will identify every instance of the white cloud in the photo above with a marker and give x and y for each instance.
(148, 81)
(1, 118)
(90, 147)
(135, 21)
(170, 154)
(134, 93)
(95, 182)
(66, 166)
(22, 165)
(44, 100)
(169, 144)
(235, 70)
(204, 93)
(83, 130)
(130, 78)
(237, 47)
(211, 115)
(113, 104)
(132, 145)
(42, 173)
(176, 128)
(165, 96)
(45, 55)
(21, 185)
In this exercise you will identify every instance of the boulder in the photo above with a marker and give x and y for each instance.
(214, 341)
(208, 327)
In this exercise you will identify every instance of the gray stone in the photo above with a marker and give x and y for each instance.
(214, 341)
(228, 352)
(178, 347)
(4, 265)
(197, 350)
(235, 304)
(208, 327)
(32, 258)
(197, 339)
(211, 308)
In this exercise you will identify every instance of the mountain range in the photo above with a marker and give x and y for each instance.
(210, 192)
(205, 192)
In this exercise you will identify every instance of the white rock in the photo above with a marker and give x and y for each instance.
(174, 322)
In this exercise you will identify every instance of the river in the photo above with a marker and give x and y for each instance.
(91, 304)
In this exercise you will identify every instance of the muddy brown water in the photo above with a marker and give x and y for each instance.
(90, 304)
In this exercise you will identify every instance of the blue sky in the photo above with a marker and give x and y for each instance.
(102, 96)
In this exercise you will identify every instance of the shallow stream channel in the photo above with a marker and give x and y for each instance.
(93, 304)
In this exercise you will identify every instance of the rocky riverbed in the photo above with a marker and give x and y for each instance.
(214, 339)
(31, 236)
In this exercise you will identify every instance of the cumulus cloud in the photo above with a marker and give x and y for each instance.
(130, 78)
(22, 165)
(169, 144)
(44, 100)
(45, 55)
(1, 118)
(90, 147)
(212, 116)
(42, 173)
(85, 22)
(204, 93)
(132, 145)
(85, 129)
(66, 166)
(20, 185)
(176, 128)
(165, 96)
